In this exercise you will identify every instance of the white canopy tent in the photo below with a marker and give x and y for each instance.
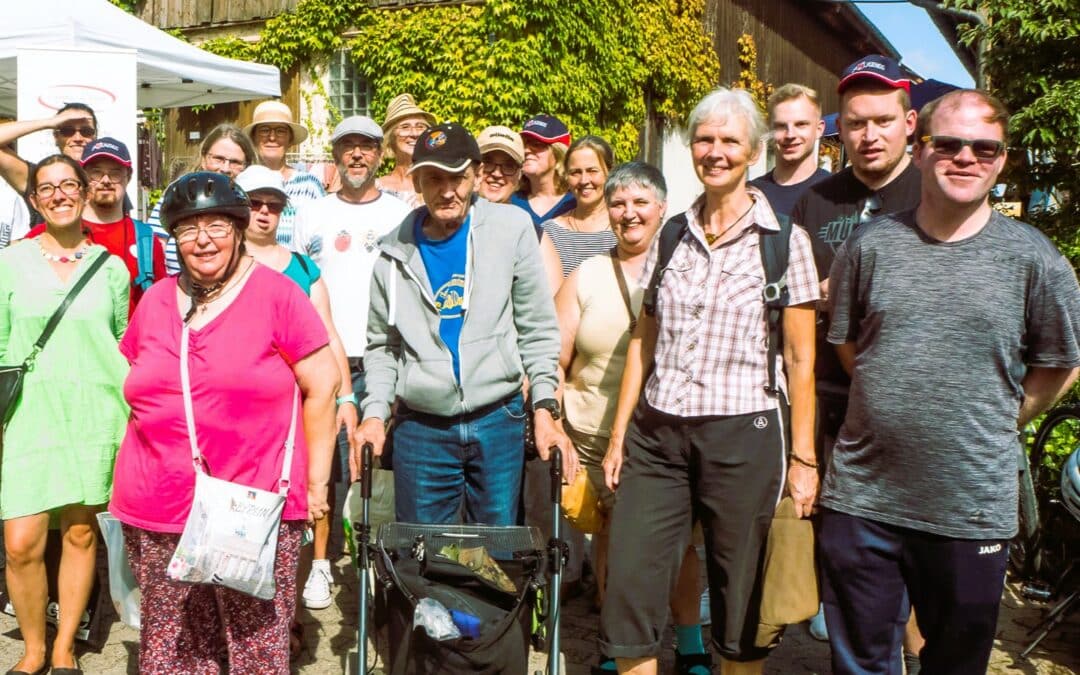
(169, 72)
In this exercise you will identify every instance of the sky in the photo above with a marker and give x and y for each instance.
(918, 40)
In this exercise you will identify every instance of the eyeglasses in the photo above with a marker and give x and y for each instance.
(219, 161)
(414, 128)
(505, 168)
(215, 230)
(273, 207)
(280, 130)
(85, 132)
(115, 175)
(69, 187)
(365, 145)
(950, 146)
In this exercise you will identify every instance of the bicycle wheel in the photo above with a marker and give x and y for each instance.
(1059, 429)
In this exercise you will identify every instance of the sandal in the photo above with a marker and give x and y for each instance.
(296, 640)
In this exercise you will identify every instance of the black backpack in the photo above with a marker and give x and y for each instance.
(775, 246)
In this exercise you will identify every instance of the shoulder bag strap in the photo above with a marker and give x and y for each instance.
(189, 414)
(621, 278)
(54, 320)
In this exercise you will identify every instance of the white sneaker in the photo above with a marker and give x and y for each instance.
(317, 588)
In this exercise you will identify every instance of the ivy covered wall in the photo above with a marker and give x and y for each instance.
(591, 63)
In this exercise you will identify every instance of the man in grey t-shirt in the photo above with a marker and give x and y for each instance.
(957, 325)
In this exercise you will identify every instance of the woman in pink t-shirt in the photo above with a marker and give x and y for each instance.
(254, 338)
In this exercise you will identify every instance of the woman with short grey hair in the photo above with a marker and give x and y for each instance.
(701, 428)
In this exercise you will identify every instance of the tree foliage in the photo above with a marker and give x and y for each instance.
(1032, 62)
(501, 61)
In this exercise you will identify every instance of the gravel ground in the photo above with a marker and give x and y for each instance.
(330, 641)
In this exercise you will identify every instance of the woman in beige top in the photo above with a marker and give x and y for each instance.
(597, 313)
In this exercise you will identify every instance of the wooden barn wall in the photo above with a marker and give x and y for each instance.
(795, 42)
(192, 13)
(179, 152)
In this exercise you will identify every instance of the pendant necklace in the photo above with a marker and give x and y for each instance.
(710, 239)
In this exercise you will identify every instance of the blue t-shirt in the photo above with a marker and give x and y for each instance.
(565, 205)
(444, 261)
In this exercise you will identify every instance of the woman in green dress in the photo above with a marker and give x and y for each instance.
(61, 442)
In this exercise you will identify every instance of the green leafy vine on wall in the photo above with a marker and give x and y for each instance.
(748, 77)
(501, 61)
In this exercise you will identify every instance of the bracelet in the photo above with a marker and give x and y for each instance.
(350, 398)
(799, 460)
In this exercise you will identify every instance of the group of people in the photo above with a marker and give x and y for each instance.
(867, 342)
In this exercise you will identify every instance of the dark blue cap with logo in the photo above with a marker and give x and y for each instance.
(875, 67)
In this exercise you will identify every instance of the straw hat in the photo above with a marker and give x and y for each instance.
(276, 112)
(401, 107)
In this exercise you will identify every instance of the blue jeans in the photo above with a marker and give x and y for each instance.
(466, 468)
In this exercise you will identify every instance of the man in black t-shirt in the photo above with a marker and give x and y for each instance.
(795, 119)
(875, 121)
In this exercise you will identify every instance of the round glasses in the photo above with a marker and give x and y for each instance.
(69, 187)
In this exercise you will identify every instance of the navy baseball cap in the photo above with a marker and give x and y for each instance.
(546, 129)
(448, 146)
(109, 148)
(875, 67)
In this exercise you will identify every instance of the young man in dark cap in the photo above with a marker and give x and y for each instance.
(875, 122)
(460, 315)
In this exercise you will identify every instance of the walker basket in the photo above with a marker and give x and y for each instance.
(485, 576)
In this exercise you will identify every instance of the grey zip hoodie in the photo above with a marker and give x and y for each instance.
(509, 330)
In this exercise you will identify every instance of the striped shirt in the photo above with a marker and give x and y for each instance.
(172, 258)
(712, 337)
(302, 188)
(576, 247)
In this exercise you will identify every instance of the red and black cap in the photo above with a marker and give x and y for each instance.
(875, 67)
(546, 129)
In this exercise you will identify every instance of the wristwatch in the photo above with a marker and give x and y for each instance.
(550, 405)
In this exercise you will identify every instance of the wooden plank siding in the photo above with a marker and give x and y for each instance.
(797, 41)
(169, 14)
(178, 151)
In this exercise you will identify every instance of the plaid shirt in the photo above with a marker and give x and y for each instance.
(712, 341)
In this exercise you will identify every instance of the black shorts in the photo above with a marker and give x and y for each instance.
(728, 471)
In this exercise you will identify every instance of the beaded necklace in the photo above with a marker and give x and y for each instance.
(74, 257)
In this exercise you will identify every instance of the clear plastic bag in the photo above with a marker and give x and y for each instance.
(435, 619)
(123, 589)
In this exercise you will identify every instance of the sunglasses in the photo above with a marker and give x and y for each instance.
(85, 132)
(273, 207)
(950, 146)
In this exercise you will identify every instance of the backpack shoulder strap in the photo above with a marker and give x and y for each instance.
(775, 251)
(144, 249)
(670, 235)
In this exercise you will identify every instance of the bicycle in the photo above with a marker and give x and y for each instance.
(1042, 546)
(1045, 553)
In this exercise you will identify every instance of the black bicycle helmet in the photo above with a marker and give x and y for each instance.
(1070, 484)
(204, 192)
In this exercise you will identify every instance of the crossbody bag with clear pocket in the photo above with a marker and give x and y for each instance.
(230, 537)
